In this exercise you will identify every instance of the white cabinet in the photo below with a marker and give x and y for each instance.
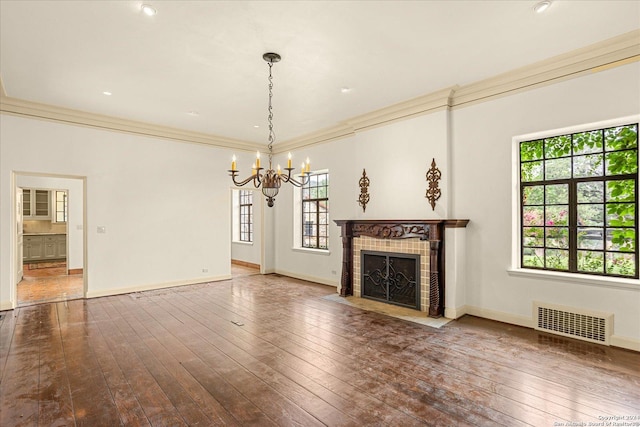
(33, 248)
(50, 247)
(44, 247)
(36, 204)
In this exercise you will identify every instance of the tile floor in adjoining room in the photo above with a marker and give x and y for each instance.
(49, 284)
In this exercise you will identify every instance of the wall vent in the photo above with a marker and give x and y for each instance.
(573, 322)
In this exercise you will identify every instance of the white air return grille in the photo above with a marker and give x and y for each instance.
(572, 322)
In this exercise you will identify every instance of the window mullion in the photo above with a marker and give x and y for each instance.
(317, 224)
(573, 226)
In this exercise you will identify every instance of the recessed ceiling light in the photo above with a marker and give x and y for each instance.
(193, 113)
(256, 126)
(106, 92)
(542, 6)
(345, 89)
(148, 10)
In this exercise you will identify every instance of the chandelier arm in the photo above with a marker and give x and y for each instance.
(293, 181)
(243, 182)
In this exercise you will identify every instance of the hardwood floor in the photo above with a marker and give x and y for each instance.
(269, 350)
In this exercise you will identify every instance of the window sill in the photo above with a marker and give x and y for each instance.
(600, 281)
(311, 250)
(239, 242)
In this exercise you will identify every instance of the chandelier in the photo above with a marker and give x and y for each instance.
(270, 180)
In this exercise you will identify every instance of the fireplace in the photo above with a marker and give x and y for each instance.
(391, 277)
(422, 237)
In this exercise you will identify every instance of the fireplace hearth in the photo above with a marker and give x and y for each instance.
(391, 277)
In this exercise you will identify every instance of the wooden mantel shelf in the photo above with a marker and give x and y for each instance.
(431, 230)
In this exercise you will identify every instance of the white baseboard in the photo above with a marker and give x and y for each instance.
(625, 342)
(6, 305)
(308, 278)
(499, 316)
(455, 313)
(153, 286)
(615, 341)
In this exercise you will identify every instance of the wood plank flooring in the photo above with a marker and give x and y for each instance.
(268, 350)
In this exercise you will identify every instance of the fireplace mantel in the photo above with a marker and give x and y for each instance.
(431, 230)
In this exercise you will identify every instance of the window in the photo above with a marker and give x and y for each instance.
(246, 215)
(60, 202)
(578, 202)
(315, 211)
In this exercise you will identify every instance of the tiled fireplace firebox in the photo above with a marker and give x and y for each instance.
(423, 237)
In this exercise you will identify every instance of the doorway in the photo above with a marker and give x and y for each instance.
(50, 243)
(246, 232)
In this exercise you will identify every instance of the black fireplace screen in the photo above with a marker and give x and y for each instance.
(391, 277)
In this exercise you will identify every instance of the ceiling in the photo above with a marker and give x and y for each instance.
(197, 65)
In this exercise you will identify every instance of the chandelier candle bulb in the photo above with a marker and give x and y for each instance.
(289, 162)
(233, 162)
(258, 160)
(279, 171)
(253, 169)
(308, 166)
(303, 168)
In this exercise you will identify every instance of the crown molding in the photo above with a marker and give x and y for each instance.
(19, 107)
(603, 55)
(435, 101)
(324, 135)
(3, 93)
(600, 56)
(430, 103)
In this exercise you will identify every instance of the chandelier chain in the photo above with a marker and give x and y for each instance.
(272, 136)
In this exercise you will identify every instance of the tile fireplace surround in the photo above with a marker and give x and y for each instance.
(424, 237)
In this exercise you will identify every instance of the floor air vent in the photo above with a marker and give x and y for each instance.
(571, 322)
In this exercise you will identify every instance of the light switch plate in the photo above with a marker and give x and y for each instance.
(102, 229)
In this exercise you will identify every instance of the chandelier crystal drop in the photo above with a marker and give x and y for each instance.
(270, 180)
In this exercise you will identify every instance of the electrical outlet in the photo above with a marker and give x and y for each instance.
(102, 229)
(205, 270)
(334, 272)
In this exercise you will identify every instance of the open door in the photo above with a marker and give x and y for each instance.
(19, 237)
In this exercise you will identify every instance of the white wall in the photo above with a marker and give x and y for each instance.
(396, 158)
(75, 202)
(165, 213)
(482, 159)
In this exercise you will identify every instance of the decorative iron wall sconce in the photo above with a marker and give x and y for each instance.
(364, 190)
(433, 192)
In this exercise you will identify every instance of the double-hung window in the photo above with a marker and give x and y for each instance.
(578, 202)
(315, 211)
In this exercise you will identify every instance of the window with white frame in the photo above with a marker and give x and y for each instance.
(578, 201)
(60, 205)
(315, 211)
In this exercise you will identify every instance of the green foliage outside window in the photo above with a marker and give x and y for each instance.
(578, 202)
